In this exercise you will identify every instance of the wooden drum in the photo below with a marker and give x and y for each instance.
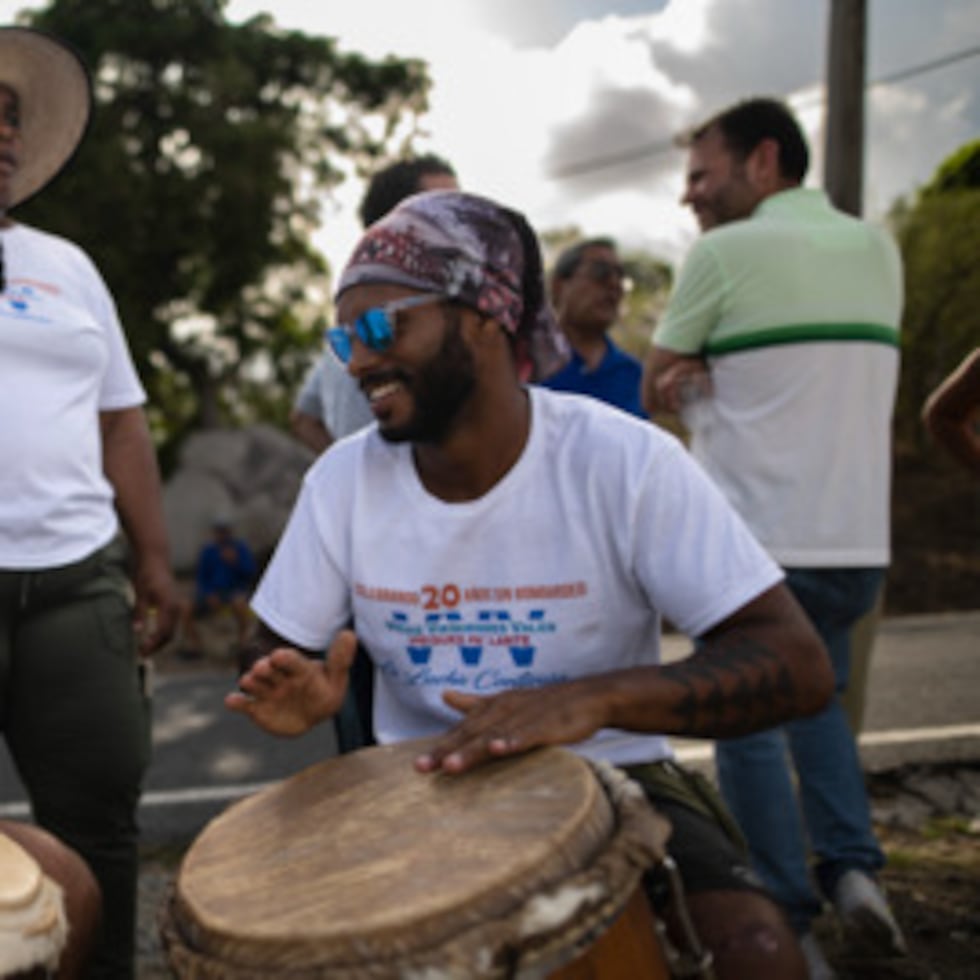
(50, 905)
(360, 867)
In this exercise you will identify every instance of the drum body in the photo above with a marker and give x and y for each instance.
(50, 905)
(360, 867)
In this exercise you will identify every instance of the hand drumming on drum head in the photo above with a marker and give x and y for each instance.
(286, 692)
(514, 722)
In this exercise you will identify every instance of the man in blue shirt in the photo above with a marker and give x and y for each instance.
(587, 287)
(224, 578)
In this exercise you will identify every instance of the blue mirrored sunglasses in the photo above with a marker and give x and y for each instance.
(375, 328)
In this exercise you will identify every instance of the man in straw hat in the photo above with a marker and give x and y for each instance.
(77, 461)
(506, 554)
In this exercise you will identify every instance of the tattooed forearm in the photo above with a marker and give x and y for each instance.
(731, 686)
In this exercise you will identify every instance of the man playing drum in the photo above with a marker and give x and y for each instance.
(507, 554)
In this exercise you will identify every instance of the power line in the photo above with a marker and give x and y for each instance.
(612, 159)
(949, 59)
(645, 150)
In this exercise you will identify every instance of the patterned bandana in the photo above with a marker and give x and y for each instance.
(474, 251)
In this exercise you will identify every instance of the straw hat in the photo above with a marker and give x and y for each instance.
(55, 95)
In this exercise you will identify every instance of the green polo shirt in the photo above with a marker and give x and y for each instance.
(778, 278)
(796, 311)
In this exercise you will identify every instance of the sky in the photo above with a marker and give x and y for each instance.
(566, 109)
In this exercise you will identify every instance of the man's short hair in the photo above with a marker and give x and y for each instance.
(390, 185)
(569, 259)
(746, 124)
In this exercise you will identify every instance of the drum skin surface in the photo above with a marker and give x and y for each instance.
(50, 905)
(361, 866)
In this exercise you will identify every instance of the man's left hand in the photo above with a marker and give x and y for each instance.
(157, 607)
(514, 722)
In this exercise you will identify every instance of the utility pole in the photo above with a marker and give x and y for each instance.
(844, 145)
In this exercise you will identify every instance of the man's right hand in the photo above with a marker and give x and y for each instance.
(287, 693)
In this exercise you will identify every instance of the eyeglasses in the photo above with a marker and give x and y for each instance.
(375, 328)
(601, 271)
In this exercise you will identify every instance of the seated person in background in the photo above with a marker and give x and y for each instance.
(587, 288)
(224, 579)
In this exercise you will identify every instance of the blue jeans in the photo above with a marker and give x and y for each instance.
(828, 812)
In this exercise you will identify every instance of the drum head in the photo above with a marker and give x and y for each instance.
(20, 876)
(33, 927)
(363, 860)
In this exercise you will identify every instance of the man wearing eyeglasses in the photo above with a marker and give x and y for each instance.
(328, 405)
(587, 288)
(506, 553)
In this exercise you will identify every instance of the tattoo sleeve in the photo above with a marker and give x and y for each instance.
(732, 685)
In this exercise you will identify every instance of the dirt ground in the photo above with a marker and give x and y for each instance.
(933, 884)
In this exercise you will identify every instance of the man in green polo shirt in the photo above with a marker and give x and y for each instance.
(779, 350)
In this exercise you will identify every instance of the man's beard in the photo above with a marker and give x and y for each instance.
(736, 202)
(440, 389)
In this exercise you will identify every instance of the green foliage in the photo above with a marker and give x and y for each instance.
(960, 171)
(650, 281)
(939, 235)
(197, 191)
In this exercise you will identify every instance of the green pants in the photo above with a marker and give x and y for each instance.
(77, 724)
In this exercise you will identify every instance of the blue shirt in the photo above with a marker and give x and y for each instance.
(216, 575)
(616, 380)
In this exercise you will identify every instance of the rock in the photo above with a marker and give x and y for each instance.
(970, 785)
(942, 791)
(191, 498)
(903, 812)
(249, 475)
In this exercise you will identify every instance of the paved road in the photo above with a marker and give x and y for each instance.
(923, 706)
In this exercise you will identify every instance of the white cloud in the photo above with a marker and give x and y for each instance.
(509, 116)
(523, 88)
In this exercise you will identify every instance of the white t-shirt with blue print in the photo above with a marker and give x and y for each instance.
(563, 569)
(63, 359)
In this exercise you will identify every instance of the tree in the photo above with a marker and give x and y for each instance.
(939, 235)
(197, 191)
(935, 517)
(650, 281)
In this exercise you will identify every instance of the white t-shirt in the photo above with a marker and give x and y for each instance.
(561, 570)
(330, 394)
(63, 359)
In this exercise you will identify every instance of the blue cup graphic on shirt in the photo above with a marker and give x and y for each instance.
(471, 655)
(419, 655)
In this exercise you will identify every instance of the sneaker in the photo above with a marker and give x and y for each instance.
(867, 920)
(817, 966)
